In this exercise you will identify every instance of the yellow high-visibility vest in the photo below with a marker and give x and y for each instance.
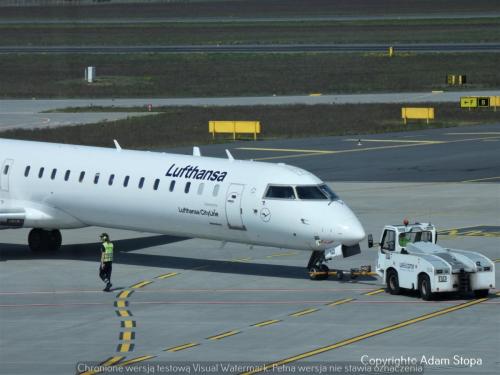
(108, 252)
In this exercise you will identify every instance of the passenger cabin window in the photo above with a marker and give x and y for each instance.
(141, 182)
(27, 171)
(200, 188)
(156, 184)
(66, 175)
(6, 169)
(388, 240)
(216, 190)
(187, 187)
(82, 176)
(310, 193)
(280, 192)
(125, 181)
(53, 174)
(172, 186)
(111, 179)
(40, 172)
(96, 178)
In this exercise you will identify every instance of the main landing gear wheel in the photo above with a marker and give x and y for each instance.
(40, 240)
(317, 269)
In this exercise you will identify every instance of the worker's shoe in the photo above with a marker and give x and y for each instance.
(108, 287)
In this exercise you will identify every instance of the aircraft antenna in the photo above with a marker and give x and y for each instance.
(229, 156)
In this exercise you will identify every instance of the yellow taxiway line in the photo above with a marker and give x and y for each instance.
(167, 275)
(223, 335)
(373, 292)
(340, 302)
(181, 347)
(142, 284)
(303, 312)
(266, 323)
(364, 336)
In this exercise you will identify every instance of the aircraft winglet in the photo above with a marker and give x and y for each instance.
(117, 145)
(229, 156)
(196, 151)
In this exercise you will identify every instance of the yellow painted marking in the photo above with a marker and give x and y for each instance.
(142, 284)
(167, 275)
(496, 260)
(181, 347)
(340, 302)
(396, 141)
(108, 362)
(223, 335)
(303, 312)
(125, 348)
(498, 293)
(241, 260)
(315, 94)
(282, 254)
(364, 336)
(123, 313)
(121, 303)
(483, 179)
(127, 336)
(437, 91)
(308, 153)
(128, 324)
(373, 292)
(125, 294)
(266, 323)
(135, 360)
(284, 150)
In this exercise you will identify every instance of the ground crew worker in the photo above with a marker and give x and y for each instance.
(106, 261)
(403, 240)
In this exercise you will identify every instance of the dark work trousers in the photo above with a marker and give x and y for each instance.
(105, 272)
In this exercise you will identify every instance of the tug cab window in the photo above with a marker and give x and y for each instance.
(280, 192)
(388, 240)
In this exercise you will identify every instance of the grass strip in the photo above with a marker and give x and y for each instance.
(189, 125)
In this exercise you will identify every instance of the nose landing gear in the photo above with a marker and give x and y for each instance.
(318, 270)
(40, 240)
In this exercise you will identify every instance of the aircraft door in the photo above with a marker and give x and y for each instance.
(4, 174)
(233, 207)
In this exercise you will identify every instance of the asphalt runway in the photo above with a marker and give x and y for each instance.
(187, 301)
(260, 48)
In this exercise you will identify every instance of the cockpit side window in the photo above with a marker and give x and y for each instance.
(311, 193)
(329, 192)
(280, 192)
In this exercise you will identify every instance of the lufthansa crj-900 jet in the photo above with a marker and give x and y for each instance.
(49, 187)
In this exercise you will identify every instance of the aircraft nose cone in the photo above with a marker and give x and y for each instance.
(350, 229)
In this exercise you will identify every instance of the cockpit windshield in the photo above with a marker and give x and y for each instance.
(280, 192)
(321, 192)
(304, 192)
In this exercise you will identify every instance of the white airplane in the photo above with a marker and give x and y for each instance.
(49, 187)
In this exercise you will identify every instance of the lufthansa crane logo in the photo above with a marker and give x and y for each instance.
(265, 214)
